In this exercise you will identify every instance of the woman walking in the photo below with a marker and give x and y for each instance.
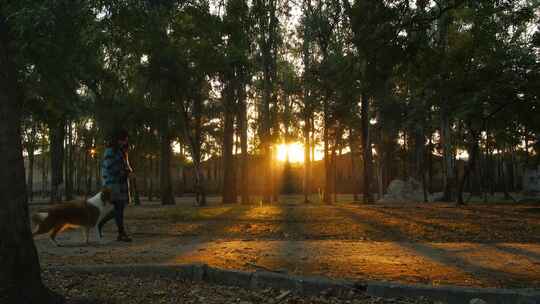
(115, 171)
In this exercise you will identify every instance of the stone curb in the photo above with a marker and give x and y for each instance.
(310, 285)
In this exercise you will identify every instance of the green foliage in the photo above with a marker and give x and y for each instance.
(149, 64)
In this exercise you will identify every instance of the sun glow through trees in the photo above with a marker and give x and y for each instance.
(294, 151)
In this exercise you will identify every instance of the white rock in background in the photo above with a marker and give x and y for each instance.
(400, 191)
(531, 180)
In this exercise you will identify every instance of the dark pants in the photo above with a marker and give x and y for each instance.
(118, 214)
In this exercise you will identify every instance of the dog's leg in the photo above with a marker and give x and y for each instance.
(86, 233)
(53, 234)
(98, 234)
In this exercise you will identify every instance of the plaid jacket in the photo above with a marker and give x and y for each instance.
(114, 174)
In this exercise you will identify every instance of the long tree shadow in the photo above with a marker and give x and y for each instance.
(180, 231)
(230, 240)
(290, 251)
(504, 211)
(297, 219)
(278, 258)
(450, 234)
(458, 227)
(489, 276)
(217, 226)
(516, 251)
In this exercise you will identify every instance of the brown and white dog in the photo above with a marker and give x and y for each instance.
(75, 214)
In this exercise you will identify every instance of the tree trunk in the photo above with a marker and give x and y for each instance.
(485, 179)
(44, 176)
(151, 186)
(97, 177)
(424, 187)
(20, 273)
(76, 165)
(419, 152)
(65, 161)
(354, 177)
(307, 158)
(419, 157)
(307, 110)
(380, 165)
(144, 167)
(184, 179)
(85, 168)
(69, 163)
(199, 185)
(505, 177)
(90, 170)
(268, 39)
(243, 126)
(275, 188)
(493, 179)
(327, 164)
(366, 148)
(157, 176)
(475, 181)
(331, 184)
(196, 143)
(267, 144)
(430, 165)
(470, 166)
(179, 174)
(527, 153)
(229, 176)
(57, 134)
(167, 196)
(448, 169)
(514, 165)
(31, 158)
(313, 143)
(334, 162)
(79, 173)
(380, 181)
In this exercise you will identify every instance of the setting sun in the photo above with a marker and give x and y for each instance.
(295, 152)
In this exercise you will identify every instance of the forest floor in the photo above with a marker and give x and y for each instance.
(479, 245)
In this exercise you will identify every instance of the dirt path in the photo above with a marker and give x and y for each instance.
(485, 246)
